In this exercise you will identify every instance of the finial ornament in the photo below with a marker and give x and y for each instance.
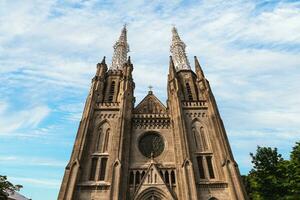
(178, 52)
(121, 48)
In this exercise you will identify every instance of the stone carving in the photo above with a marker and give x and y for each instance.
(121, 48)
(178, 52)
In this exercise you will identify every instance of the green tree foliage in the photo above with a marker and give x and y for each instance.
(294, 173)
(272, 177)
(6, 186)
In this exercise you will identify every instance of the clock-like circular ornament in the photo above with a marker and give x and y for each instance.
(151, 143)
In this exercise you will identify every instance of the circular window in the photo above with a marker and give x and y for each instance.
(151, 143)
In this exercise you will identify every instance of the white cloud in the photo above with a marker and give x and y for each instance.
(44, 183)
(26, 118)
(31, 161)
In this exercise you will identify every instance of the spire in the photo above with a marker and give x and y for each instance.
(178, 52)
(121, 48)
(198, 69)
(103, 60)
(172, 71)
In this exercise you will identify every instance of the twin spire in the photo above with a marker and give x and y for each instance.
(178, 52)
(121, 48)
(177, 48)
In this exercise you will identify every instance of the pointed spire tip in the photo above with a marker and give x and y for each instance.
(103, 60)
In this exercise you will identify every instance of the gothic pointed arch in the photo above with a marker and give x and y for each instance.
(106, 140)
(200, 137)
(102, 136)
(152, 193)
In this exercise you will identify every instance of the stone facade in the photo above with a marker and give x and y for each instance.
(151, 151)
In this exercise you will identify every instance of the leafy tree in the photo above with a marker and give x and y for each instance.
(266, 176)
(6, 186)
(272, 177)
(294, 173)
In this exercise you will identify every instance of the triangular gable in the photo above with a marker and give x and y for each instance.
(152, 180)
(150, 105)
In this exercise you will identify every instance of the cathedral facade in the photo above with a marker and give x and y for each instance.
(151, 151)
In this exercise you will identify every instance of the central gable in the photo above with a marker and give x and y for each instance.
(150, 105)
(153, 185)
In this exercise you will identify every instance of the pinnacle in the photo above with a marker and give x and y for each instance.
(103, 60)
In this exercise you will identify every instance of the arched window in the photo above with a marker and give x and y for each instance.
(200, 167)
(196, 137)
(199, 135)
(173, 180)
(93, 169)
(210, 167)
(189, 92)
(203, 137)
(99, 138)
(106, 141)
(212, 198)
(167, 180)
(102, 169)
(102, 137)
(137, 177)
(111, 91)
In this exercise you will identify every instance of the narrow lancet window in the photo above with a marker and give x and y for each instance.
(210, 167)
(173, 180)
(93, 168)
(98, 143)
(102, 169)
(111, 91)
(200, 166)
(195, 134)
(137, 177)
(106, 141)
(203, 137)
(189, 92)
(167, 178)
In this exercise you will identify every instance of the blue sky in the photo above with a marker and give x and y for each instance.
(249, 51)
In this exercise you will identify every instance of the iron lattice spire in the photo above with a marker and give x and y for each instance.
(121, 48)
(178, 52)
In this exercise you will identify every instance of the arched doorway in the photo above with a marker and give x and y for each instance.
(152, 194)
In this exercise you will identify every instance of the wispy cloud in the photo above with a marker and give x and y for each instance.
(31, 161)
(27, 118)
(40, 183)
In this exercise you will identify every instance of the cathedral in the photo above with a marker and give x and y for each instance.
(151, 151)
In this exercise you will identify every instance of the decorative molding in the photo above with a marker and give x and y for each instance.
(194, 105)
(151, 121)
(107, 106)
(196, 114)
(210, 185)
(96, 185)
